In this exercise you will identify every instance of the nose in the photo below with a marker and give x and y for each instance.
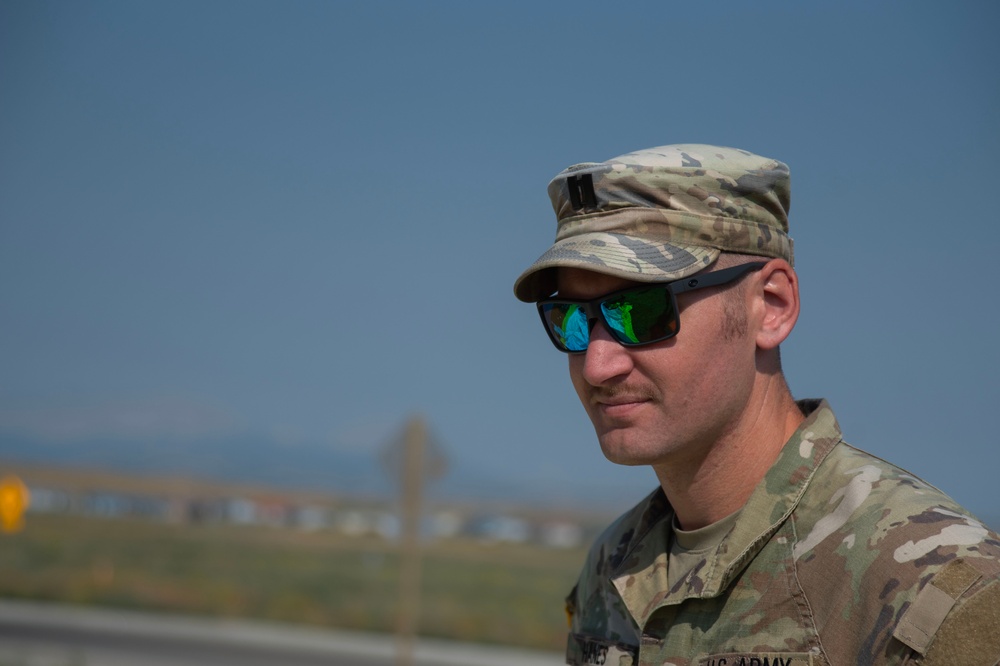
(605, 360)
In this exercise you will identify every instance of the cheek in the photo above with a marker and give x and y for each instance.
(725, 370)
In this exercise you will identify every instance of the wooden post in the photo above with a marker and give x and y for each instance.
(411, 461)
(411, 486)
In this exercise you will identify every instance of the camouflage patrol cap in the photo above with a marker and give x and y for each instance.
(662, 214)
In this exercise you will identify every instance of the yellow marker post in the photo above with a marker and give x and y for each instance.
(14, 499)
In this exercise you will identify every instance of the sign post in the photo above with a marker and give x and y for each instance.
(411, 460)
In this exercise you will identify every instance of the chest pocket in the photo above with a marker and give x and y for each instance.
(584, 650)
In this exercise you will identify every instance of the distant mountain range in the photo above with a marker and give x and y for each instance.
(258, 459)
(243, 458)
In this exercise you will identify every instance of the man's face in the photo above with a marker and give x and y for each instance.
(668, 401)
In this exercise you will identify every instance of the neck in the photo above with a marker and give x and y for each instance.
(705, 488)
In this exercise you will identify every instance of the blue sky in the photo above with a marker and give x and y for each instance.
(304, 219)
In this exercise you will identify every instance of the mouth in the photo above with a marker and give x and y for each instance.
(617, 402)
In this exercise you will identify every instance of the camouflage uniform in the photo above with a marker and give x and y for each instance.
(837, 558)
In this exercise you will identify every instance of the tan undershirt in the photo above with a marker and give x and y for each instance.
(689, 547)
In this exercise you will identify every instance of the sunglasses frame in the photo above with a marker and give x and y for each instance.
(674, 287)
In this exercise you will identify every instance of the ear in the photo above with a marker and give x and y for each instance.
(780, 290)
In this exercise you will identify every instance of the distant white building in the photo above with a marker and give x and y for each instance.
(241, 511)
(47, 500)
(561, 535)
(504, 529)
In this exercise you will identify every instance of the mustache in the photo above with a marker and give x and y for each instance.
(600, 394)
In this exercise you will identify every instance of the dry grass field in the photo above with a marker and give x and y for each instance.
(508, 594)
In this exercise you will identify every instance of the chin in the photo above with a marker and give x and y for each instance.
(625, 453)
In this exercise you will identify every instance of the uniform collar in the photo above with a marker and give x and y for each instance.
(639, 571)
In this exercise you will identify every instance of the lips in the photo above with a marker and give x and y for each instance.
(619, 400)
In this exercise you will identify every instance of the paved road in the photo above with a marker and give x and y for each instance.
(36, 634)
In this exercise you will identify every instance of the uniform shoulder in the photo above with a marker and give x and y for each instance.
(855, 488)
(912, 565)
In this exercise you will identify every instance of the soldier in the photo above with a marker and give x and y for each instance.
(770, 541)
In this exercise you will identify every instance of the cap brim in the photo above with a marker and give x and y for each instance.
(629, 257)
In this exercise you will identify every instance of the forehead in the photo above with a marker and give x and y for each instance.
(579, 283)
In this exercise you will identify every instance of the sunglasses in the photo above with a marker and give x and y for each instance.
(639, 315)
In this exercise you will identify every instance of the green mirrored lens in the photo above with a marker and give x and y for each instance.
(640, 316)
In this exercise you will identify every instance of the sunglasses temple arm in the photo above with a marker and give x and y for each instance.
(714, 278)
